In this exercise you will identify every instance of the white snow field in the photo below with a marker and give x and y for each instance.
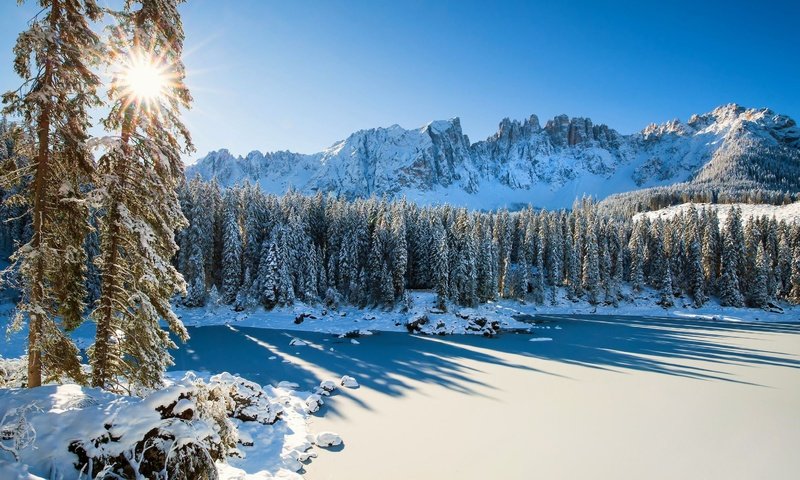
(790, 213)
(607, 397)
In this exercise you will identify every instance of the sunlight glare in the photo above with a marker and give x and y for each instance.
(143, 79)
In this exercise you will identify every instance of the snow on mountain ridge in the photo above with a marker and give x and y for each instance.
(524, 162)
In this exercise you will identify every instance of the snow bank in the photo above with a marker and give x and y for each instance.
(352, 322)
(223, 423)
(487, 319)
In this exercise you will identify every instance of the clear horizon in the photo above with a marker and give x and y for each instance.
(300, 76)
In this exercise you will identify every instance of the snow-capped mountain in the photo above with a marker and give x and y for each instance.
(525, 162)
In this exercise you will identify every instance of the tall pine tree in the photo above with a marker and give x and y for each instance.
(137, 180)
(53, 103)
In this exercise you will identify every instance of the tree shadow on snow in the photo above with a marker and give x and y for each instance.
(386, 361)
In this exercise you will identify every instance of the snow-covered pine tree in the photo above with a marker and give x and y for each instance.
(231, 248)
(694, 274)
(196, 278)
(243, 298)
(710, 250)
(538, 275)
(462, 260)
(770, 239)
(605, 265)
(502, 238)
(784, 263)
(310, 275)
(735, 231)
(285, 293)
(759, 291)
(616, 245)
(486, 264)
(137, 179)
(253, 224)
(215, 265)
(267, 279)
(570, 259)
(728, 286)
(665, 290)
(555, 252)
(380, 274)
(53, 102)
(399, 249)
(590, 277)
(574, 267)
(752, 239)
(441, 269)
(794, 293)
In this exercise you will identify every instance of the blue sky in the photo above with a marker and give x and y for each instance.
(300, 75)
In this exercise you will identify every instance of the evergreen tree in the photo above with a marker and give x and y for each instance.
(591, 267)
(137, 180)
(502, 238)
(794, 293)
(380, 273)
(578, 255)
(196, 288)
(729, 291)
(538, 277)
(759, 296)
(784, 264)
(231, 250)
(486, 265)
(441, 268)
(695, 275)
(53, 103)
(267, 280)
(666, 294)
(554, 257)
(310, 276)
(399, 251)
(285, 294)
(710, 251)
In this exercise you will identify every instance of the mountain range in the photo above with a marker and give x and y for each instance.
(526, 162)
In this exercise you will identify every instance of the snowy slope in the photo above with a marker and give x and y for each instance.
(524, 162)
(790, 213)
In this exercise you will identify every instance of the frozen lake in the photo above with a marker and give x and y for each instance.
(608, 397)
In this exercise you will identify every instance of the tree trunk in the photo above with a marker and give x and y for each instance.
(37, 283)
(40, 206)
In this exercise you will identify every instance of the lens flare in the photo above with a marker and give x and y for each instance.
(144, 80)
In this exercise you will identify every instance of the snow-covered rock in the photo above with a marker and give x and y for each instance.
(328, 439)
(524, 162)
(313, 402)
(327, 385)
(219, 427)
(349, 382)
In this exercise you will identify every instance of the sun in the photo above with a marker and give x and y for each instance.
(143, 79)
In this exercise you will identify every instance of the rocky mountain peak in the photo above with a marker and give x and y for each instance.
(523, 161)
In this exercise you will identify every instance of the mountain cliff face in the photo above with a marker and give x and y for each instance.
(524, 162)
